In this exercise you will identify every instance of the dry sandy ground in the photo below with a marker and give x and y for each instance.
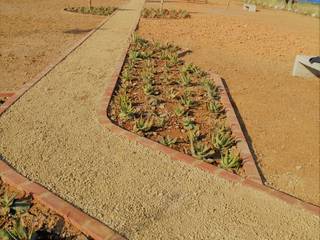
(52, 136)
(34, 32)
(254, 53)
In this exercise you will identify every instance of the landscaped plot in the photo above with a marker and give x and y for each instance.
(174, 103)
(23, 218)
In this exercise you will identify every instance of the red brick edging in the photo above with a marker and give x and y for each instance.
(83, 222)
(253, 179)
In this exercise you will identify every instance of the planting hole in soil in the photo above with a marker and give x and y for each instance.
(160, 97)
(23, 218)
(164, 13)
(103, 11)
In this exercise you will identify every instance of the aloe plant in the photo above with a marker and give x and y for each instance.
(19, 232)
(144, 125)
(12, 205)
(185, 79)
(136, 39)
(212, 89)
(202, 151)
(126, 75)
(168, 141)
(188, 123)
(172, 93)
(215, 107)
(194, 134)
(230, 159)
(148, 89)
(186, 101)
(180, 111)
(190, 68)
(222, 139)
(126, 109)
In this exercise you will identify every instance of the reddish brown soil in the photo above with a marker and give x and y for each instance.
(254, 53)
(33, 33)
(39, 218)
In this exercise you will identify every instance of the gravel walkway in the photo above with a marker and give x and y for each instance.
(52, 136)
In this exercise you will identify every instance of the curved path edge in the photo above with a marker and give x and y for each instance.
(253, 180)
(80, 220)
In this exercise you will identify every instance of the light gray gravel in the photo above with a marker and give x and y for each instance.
(52, 136)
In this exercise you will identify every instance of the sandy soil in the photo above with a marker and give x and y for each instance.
(34, 32)
(254, 53)
(52, 136)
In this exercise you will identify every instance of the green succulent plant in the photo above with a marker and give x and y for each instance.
(172, 93)
(222, 139)
(185, 79)
(126, 75)
(168, 141)
(194, 134)
(173, 59)
(190, 68)
(149, 89)
(19, 232)
(144, 125)
(136, 39)
(126, 109)
(186, 101)
(215, 107)
(212, 89)
(230, 159)
(202, 151)
(188, 123)
(11, 205)
(180, 111)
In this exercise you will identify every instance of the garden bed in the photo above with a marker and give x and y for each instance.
(164, 13)
(102, 11)
(23, 218)
(160, 97)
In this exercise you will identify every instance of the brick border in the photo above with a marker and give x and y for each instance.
(80, 220)
(253, 180)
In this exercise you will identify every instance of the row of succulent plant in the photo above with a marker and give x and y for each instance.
(164, 13)
(142, 67)
(103, 11)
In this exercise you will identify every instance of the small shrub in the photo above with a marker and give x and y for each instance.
(222, 139)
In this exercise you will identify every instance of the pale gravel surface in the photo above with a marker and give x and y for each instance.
(52, 136)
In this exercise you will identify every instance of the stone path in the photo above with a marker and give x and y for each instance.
(52, 136)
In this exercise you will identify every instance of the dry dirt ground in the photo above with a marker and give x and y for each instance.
(254, 53)
(52, 136)
(34, 32)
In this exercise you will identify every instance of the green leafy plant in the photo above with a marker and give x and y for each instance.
(230, 159)
(12, 205)
(160, 122)
(188, 123)
(194, 134)
(185, 79)
(126, 109)
(222, 139)
(215, 107)
(136, 39)
(168, 141)
(144, 125)
(173, 59)
(19, 232)
(190, 68)
(147, 76)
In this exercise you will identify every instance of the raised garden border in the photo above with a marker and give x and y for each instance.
(253, 179)
(80, 220)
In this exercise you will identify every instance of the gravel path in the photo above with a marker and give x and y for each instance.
(52, 136)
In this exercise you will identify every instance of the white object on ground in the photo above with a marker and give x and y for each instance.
(250, 7)
(303, 68)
